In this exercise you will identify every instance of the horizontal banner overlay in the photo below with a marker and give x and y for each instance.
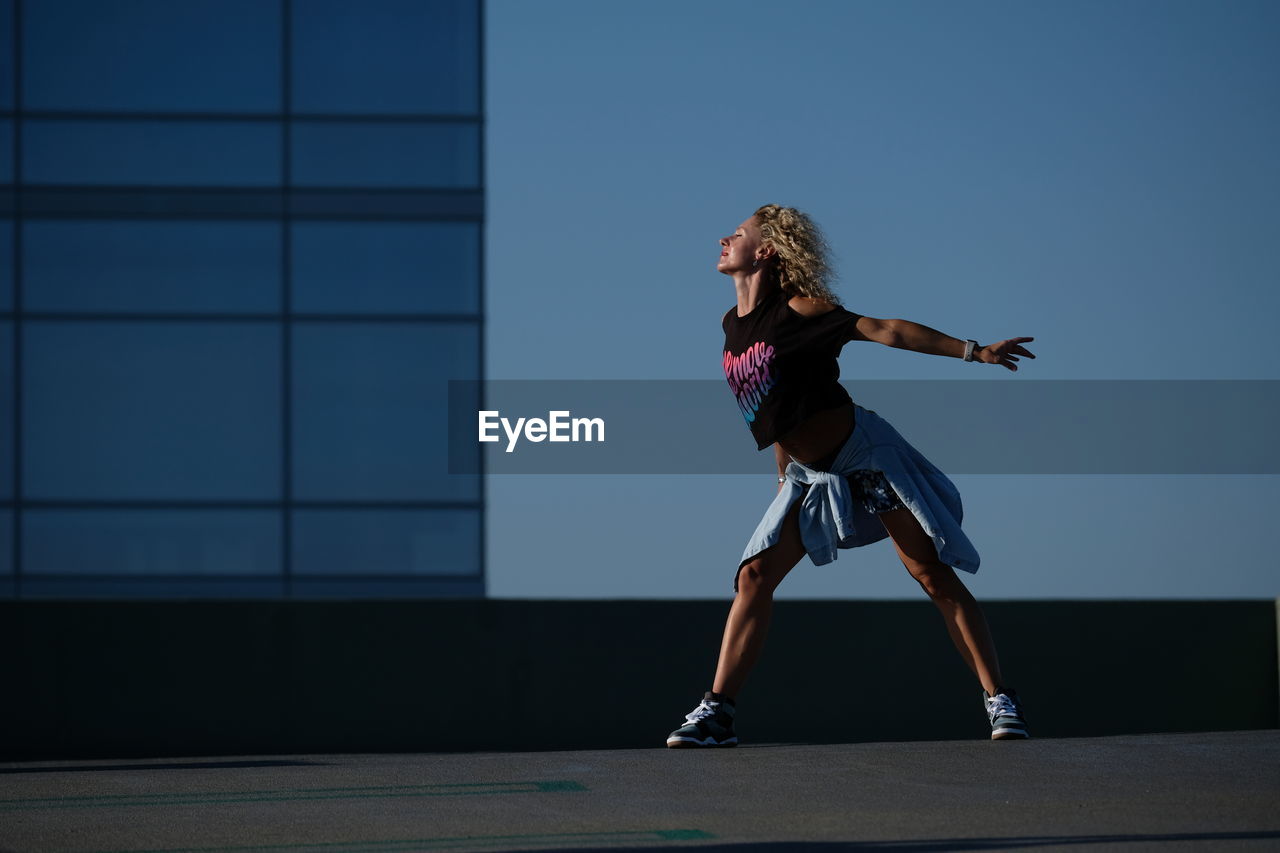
(999, 426)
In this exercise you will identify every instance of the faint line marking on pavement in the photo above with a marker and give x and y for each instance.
(456, 842)
(463, 789)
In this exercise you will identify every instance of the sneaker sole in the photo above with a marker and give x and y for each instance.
(1008, 734)
(687, 742)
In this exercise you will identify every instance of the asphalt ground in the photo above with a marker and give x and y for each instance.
(1189, 791)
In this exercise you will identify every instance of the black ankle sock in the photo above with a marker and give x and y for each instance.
(720, 697)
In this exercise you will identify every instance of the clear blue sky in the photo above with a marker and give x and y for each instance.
(1099, 175)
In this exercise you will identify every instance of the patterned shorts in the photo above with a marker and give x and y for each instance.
(873, 491)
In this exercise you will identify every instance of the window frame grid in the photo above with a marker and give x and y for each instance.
(284, 204)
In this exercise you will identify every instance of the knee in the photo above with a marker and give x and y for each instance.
(938, 580)
(753, 580)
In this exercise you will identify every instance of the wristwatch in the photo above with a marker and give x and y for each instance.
(969, 346)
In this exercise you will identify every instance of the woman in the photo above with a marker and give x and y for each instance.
(846, 477)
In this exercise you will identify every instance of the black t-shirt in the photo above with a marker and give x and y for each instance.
(782, 366)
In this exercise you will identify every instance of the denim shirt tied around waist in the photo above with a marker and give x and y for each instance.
(830, 518)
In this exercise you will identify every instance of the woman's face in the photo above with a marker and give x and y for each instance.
(741, 249)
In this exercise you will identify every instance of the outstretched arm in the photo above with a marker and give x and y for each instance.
(917, 338)
(904, 334)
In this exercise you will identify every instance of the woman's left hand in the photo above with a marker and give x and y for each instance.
(1005, 352)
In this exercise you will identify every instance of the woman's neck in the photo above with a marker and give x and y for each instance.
(752, 289)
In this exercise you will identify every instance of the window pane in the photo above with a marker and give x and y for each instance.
(152, 55)
(62, 587)
(194, 153)
(386, 542)
(149, 410)
(370, 409)
(386, 267)
(128, 265)
(6, 55)
(6, 553)
(6, 151)
(6, 265)
(151, 542)
(386, 56)
(381, 154)
(7, 386)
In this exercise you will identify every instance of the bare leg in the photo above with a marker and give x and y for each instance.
(752, 608)
(961, 613)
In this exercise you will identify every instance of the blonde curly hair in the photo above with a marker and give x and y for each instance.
(801, 264)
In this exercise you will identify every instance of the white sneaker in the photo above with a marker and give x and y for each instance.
(710, 724)
(1005, 713)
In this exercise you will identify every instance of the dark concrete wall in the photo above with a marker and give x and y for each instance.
(132, 679)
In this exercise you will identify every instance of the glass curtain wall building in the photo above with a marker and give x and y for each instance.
(240, 259)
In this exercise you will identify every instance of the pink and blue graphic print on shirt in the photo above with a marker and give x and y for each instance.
(750, 377)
